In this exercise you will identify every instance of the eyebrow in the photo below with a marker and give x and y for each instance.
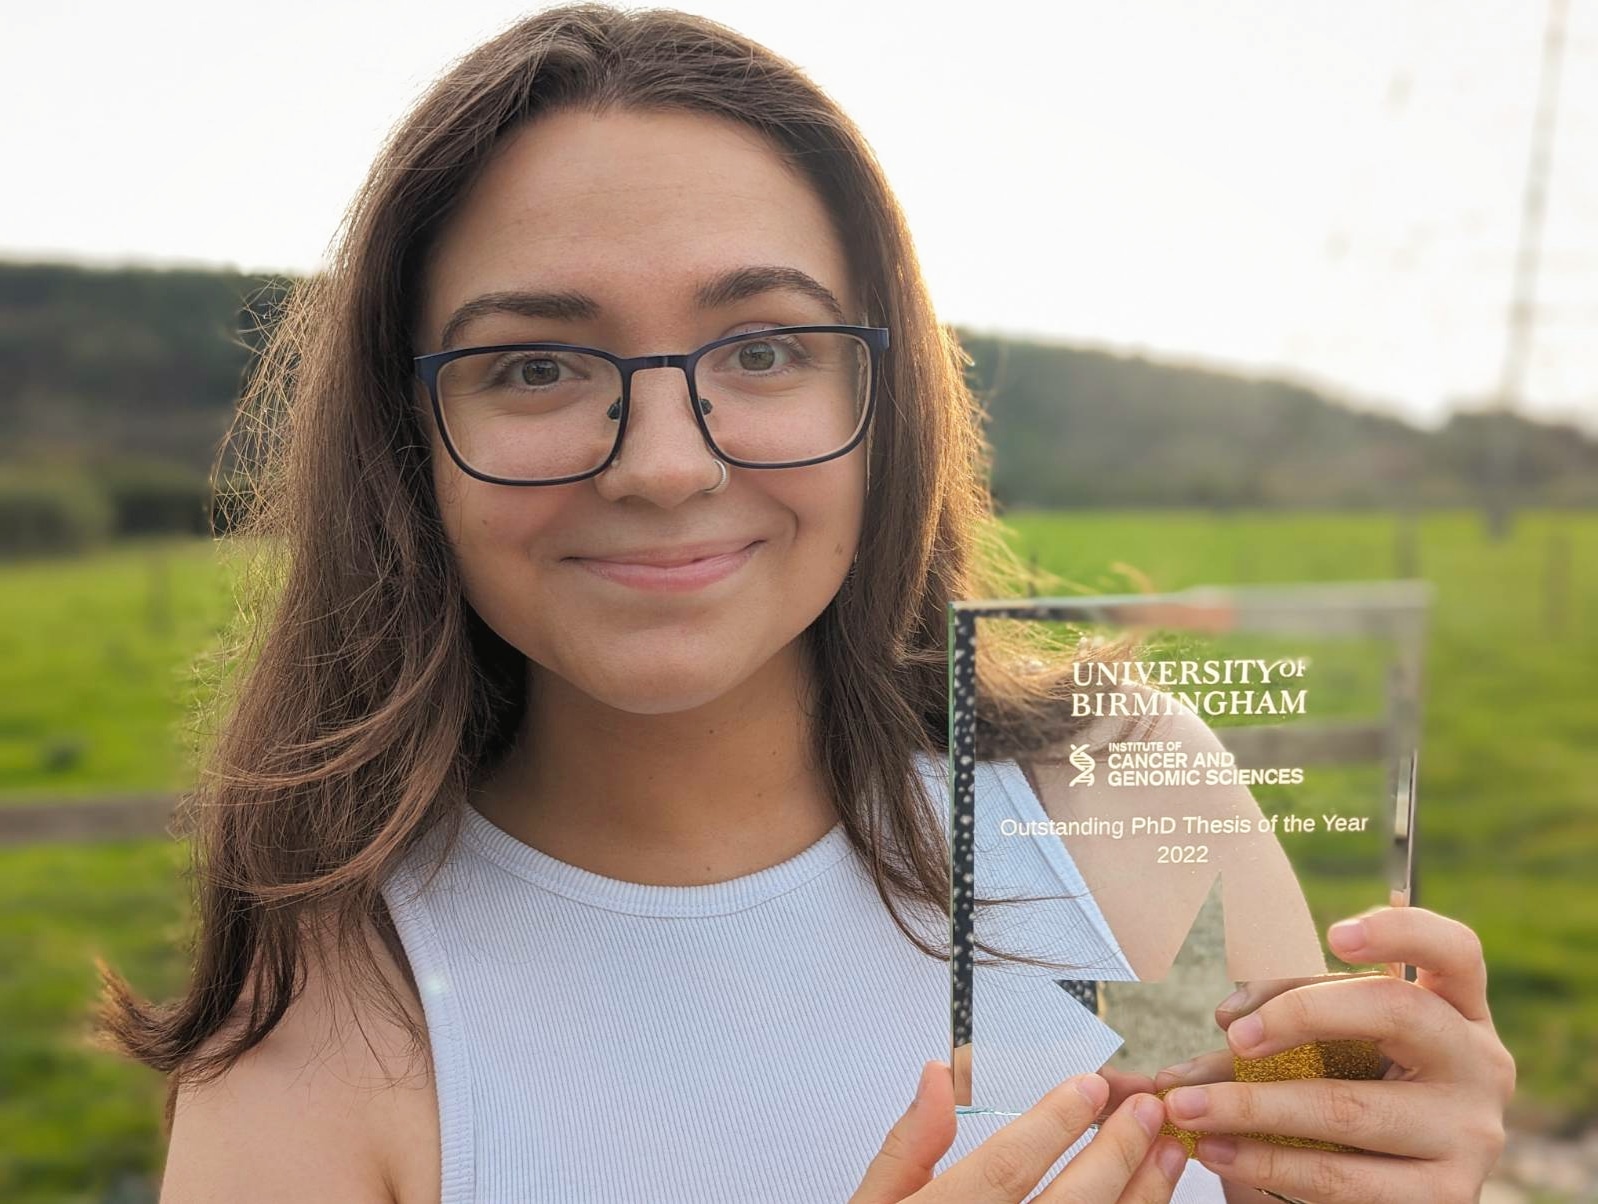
(726, 288)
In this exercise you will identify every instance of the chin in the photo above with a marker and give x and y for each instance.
(665, 688)
(664, 702)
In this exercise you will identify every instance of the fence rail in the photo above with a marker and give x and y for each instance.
(141, 816)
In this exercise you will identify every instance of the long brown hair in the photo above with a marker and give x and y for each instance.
(367, 694)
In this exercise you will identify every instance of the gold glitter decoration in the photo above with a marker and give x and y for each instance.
(1316, 1060)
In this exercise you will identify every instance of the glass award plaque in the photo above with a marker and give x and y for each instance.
(1156, 799)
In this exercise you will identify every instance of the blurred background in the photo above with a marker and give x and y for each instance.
(1254, 292)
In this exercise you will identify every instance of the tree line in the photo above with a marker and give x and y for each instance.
(117, 385)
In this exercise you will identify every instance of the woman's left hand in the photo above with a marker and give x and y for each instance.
(1435, 1126)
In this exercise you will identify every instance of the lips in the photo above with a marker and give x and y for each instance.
(670, 557)
(689, 575)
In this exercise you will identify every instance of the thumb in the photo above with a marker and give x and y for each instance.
(921, 1136)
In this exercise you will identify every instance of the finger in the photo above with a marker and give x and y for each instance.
(1326, 1178)
(1123, 1086)
(1408, 1024)
(1106, 1165)
(1250, 995)
(1447, 955)
(1383, 1117)
(1156, 1179)
(1008, 1165)
(1213, 1067)
(919, 1138)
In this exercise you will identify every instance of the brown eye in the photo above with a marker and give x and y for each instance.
(756, 357)
(538, 372)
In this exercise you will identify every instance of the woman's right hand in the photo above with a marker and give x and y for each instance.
(1126, 1163)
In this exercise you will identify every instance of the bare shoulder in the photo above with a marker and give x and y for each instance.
(333, 1104)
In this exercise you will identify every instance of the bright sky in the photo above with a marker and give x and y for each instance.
(1326, 192)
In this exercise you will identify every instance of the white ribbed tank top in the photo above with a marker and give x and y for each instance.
(750, 1041)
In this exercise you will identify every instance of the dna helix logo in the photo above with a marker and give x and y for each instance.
(1084, 764)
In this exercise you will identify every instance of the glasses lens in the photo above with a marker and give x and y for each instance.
(773, 397)
(531, 415)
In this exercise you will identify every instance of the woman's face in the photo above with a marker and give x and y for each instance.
(636, 211)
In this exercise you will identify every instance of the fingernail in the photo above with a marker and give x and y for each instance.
(1150, 1114)
(1233, 1001)
(1246, 1032)
(1347, 936)
(1174, 1074)
(1093, 1089)
(1171, 1158)
(1188, 1102)
(1218, 1151)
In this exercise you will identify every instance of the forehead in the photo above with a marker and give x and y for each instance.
(636, 210)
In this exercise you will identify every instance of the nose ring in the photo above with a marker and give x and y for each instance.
(721, 484)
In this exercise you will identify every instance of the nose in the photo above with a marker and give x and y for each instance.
(663, 453)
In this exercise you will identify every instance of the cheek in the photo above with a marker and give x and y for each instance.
(842, 502)
(827, 502)
(495, 534)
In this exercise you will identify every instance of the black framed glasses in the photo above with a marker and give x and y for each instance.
(552, 413)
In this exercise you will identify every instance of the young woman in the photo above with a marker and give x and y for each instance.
(593, 747)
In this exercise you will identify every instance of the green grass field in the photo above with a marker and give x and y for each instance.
(96, 672)
(97, 656)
